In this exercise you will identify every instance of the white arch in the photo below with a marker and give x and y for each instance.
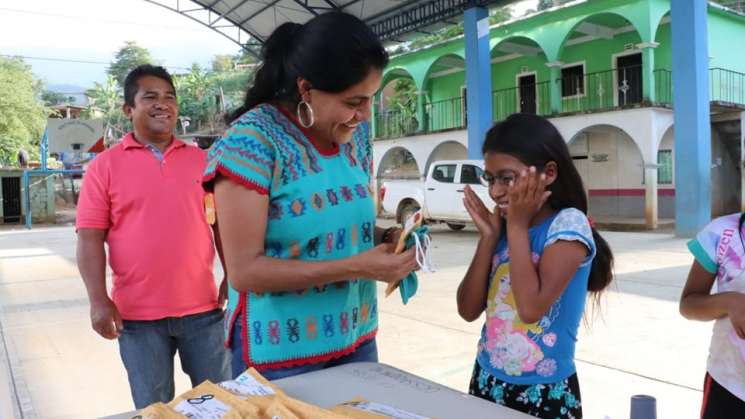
(645, 127)
(446, 150)
(421, 147)
(390, 155)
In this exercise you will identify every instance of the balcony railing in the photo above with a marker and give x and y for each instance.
(394, 124)
(602, 90)
(591, 92)
(532, 98)
(726, 86)
(663, 86)
(446, 114)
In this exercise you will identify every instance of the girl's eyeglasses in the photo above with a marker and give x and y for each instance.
(503, 178)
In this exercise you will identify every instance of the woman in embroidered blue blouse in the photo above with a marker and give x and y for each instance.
(294, 202)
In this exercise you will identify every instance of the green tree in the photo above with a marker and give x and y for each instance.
(105, 102)
(223, 62)
(127, 58)
(205, 96)
(52, 98)
(401, 107)
(231, 86)
(196, 98)
(245, 57)
(23, 115)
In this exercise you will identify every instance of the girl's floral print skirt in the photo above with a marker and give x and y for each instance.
(547, 401)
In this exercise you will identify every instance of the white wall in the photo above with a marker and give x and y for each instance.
(645, 126)
(614, 161)
(421, 146)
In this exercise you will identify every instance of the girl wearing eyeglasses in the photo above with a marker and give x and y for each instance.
(536, 260)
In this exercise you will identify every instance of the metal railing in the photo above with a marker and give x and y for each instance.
(726, 86)
(533, 98)
(446, 114)
(394, 124)
(663, 86)
(599, 91)
(602, 90)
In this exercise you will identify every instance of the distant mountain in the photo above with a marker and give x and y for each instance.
(75, 91)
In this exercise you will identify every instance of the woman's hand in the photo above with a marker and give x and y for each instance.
(381, 264)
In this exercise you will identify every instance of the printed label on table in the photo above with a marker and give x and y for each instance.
(246, 385)
(204, 407)
(382, 409)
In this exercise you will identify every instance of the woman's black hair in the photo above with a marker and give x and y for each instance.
(333, 51)
(535, 141)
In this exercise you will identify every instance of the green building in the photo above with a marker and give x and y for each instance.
(601, 70)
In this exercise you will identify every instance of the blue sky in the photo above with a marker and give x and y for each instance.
(93, 30)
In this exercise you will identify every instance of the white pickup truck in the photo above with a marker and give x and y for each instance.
(440, 196)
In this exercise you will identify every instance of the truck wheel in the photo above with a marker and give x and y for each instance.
(407, 211)
(456, 227)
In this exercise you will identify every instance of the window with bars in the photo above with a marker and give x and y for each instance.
(665, 168)
(573, 81)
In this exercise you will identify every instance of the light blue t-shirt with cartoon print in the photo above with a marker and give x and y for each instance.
(542, 352)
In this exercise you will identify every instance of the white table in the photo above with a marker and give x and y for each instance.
(387, 385)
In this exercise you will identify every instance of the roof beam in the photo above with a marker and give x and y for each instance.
(331, 3)
(304, 5)
(350, 3)
(229, 11)
(526, 50)
(314, 9)
(415, 15)
(596, 30)
(258, 12)
(247, 46)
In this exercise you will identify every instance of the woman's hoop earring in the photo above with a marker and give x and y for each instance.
(303, 123)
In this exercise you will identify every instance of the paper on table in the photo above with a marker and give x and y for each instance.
(382, 409)
(249, 384)
(204, 407)
(208, 400)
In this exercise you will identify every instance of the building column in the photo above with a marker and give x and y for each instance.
(555, 85)
(421, 112)
(651, 204)
(478, 78)
(649, 90)
(692, 118)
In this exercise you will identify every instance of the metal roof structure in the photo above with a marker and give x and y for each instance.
(250, 22)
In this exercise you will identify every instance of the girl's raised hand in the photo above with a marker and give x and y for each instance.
(527, 195)
(487, 222)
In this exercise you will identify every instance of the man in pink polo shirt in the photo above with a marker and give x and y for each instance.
(144, 198)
